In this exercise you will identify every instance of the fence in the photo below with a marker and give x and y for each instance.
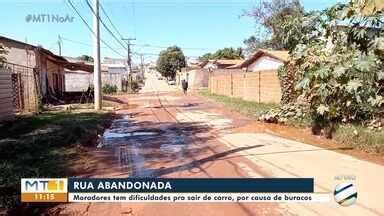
(25, 89)
(259, 86)
(7, 110)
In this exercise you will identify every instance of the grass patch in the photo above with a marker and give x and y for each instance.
(249, 108)
(361, 137)
(43, 146)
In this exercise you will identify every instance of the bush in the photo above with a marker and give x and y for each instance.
(338, 71)
(109, 89)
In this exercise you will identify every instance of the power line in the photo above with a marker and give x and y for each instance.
(110, 21)
(157, 54)
(89, 28)
(164, 47)
(85, 44)
(142, 45)
(105, 26)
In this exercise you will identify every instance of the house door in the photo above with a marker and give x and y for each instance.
(56, 83)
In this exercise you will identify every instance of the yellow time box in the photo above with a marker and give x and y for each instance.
(44, 190)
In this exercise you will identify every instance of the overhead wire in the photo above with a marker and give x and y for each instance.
(72, 6)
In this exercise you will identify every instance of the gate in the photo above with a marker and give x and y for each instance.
(25, 87)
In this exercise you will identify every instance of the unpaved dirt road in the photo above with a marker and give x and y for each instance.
(171, 135)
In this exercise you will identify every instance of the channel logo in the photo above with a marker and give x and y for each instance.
(345, 194)
(44, 190)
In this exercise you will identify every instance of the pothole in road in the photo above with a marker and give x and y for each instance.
(118, 136)
(171, 148)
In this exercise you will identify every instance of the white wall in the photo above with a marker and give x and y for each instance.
(80, 81)
(265, 63)
(77, 82)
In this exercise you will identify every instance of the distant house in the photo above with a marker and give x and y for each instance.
(263, 60)
(112, 73)
(220, 63)
(196, 76)
(108, 60)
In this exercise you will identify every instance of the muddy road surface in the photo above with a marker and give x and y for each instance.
(167, 134)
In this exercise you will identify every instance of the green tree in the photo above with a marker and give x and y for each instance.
(206, 56)
(225, 53)
(273, 17)
(170, 61)
(253, 43)
(85, 58)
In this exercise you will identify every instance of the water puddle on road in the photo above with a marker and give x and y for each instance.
(136, 146)
(124, 131)
(110, 135)
(169, 148)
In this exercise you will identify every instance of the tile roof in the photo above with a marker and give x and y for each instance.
(281, 55)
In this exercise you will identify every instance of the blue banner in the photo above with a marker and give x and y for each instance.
(189, 185)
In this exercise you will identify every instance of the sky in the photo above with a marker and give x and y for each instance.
(197, 26)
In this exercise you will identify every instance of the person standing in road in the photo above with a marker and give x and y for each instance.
(184, 85)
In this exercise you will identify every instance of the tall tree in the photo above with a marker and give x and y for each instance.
(170, 61)
(225, 53)
(273, 17)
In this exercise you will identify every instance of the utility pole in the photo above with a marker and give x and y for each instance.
(96, 56)
(59, 41)
(129, 59)
(142, 65)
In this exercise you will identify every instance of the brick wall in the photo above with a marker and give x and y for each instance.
(259, 86)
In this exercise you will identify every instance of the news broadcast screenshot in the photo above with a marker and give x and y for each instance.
(191, 107)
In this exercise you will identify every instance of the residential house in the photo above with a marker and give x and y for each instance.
(263, 60)
(50, 67)
(220, 63)
(37, 74)
(196, 76)
(119, 61)
(112, 73)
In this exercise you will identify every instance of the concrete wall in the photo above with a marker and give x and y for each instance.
(265, 63)
(80, 81)
(7, 109)
(77, 81)
(260, 86)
